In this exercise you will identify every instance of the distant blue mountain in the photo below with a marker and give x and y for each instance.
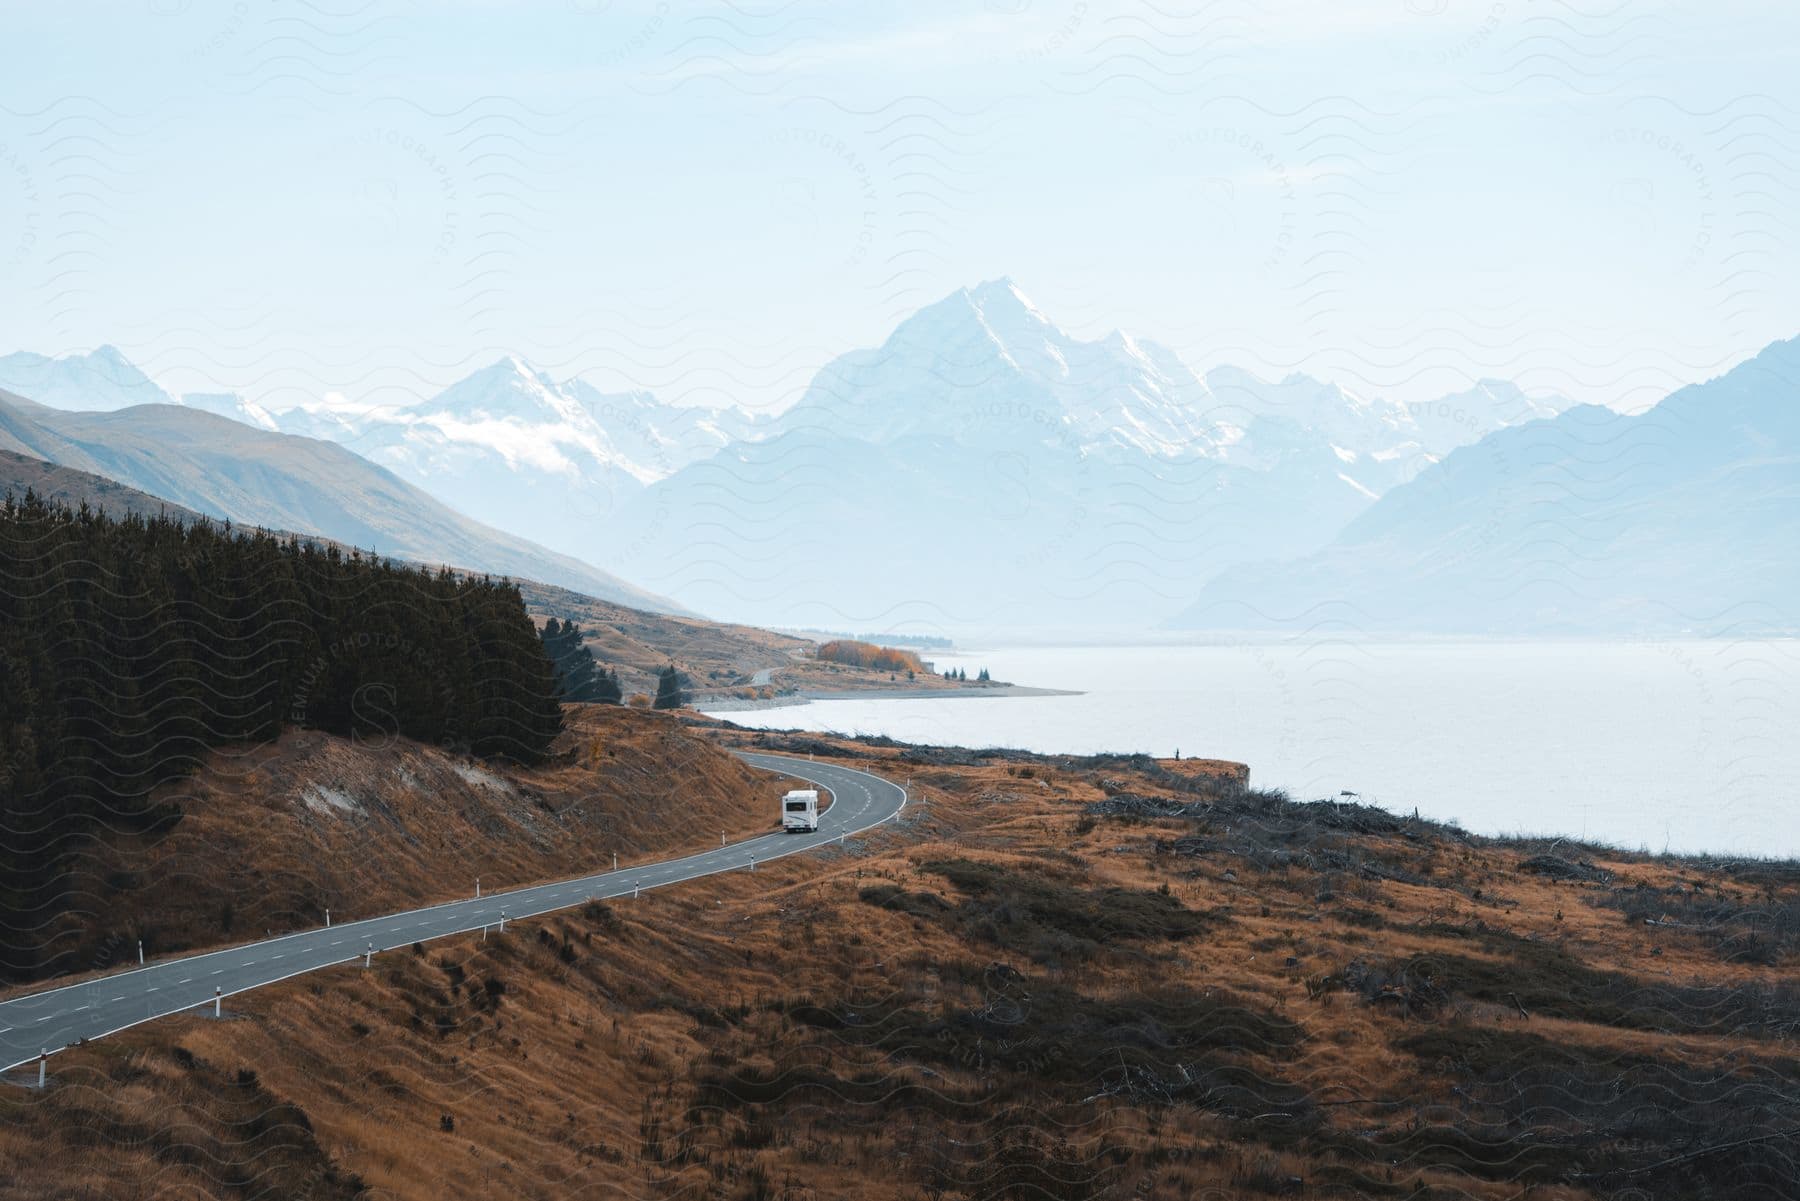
(1682, 519)
(983, 466)
(101, 380)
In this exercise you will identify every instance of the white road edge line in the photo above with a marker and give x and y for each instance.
(905, 797)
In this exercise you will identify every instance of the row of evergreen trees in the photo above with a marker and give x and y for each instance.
(957, 673)
(130, 646)
(578, 677)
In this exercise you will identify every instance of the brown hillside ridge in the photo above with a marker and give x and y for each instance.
(720, 660)
(717, 657)
(272, 836)
(1055, 977)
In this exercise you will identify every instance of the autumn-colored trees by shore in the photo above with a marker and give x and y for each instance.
(867, 654)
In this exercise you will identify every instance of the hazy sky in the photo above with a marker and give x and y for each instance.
(372, 197)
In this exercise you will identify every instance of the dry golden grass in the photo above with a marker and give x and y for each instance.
(1212, 769)
(273, 836)
(1004, 995)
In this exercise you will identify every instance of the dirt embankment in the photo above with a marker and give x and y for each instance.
(273, 836)
(1056, 977)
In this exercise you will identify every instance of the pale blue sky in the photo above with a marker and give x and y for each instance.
(372, 197)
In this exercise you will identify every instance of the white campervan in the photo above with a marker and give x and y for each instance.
(800, 810)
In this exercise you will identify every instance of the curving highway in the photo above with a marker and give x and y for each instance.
(60, 1017)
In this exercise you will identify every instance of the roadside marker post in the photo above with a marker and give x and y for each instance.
(369, 946)
(477, 888)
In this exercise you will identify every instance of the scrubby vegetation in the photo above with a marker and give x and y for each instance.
(172, 1114)
(1747, 913)
(1055, 976)
(1050, 920)
(129, 647)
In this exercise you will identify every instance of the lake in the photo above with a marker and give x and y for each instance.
(1688, 746)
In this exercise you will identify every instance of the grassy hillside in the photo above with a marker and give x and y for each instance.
(716, 656)
(22, 473)
(271, 836)
(1057, 977)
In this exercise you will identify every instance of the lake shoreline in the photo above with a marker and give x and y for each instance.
(796, 699)
(1633, 745)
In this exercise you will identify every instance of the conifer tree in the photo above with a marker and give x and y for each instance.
(129, 647)
(578, 677)
(669, 691)
(609, 690)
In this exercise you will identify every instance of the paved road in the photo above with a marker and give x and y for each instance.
(52, 1020)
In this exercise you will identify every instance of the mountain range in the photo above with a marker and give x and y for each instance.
(515, 448)
(225, 469)
(983, 467)
(103, 380)
(1681, 519)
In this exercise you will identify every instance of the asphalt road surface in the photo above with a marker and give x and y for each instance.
(60, 1017)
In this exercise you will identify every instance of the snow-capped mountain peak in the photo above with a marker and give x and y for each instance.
(230, 404)
(512, 445)
(985, 363)
(509, 389)
(1007, 312)
(971, 327)
(101, 380)
(978, 408)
